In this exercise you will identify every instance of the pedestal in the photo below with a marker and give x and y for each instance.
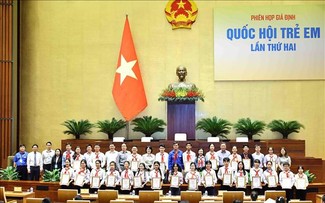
(181, 119)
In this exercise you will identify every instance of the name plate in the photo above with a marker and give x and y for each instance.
(18, 189)
(84, 191)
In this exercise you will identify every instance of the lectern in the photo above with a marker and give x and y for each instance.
(181, 119)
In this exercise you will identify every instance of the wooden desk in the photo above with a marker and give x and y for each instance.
(319, 198)
(10, 195)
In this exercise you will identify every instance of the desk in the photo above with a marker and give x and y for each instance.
(10, 195)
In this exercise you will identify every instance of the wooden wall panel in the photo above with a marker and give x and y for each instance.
(6, 71)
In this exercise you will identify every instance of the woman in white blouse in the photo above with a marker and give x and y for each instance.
(177, 176)
(193, 174)
(148, 158)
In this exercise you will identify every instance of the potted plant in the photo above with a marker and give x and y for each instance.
(246, 126)
(77, 128)
(285, 128)
(110, 127)
(217, 127)
(311, 177)
(9, 173)
(148, 125)
(51, 176)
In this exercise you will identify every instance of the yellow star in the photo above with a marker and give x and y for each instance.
(180, 4)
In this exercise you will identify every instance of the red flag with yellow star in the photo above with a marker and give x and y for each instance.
(128, 90)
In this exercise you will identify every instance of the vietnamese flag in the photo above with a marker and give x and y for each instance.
(128, 90)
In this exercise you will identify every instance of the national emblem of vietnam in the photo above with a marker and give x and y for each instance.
(181, 13)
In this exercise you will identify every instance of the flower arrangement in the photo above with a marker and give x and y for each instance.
(181, 94)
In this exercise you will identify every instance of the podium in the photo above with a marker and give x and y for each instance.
(181, 119)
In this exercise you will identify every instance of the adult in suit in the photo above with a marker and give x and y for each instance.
(57, 160)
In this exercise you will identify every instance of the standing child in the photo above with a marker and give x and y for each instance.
(156, 173)
(96, 177)
(301, 183)
(200, 160)
(126, 178)
(82, 173)
(241, 177)
(194, 175)
(112, 177)
(209, 179)
(177, 176)
(143, 174)
(286, 179)
(226, 174)
(256, 177)
(270, 175)
(67, 171)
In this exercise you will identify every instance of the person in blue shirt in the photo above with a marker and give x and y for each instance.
(20, 162)
(175, 157)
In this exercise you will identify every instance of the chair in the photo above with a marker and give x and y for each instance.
(191, 196)
(121, 200)
(105, 196)
(78, 201)
(273, 194)
(147, 196)
(3, 196)
(300, 201)
(230, 196)
(66, 194)
(34, 200)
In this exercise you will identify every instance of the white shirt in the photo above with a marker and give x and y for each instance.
(47, 156)
(31, 160)
(111, 156)
(154, 174)
(97, 172)
(87, 157)
(75, 162)
(144, 176)
(68, 171)
(98, 156)
(260, 157)
(148, 160)
(178, 174)
(127, 174)
(113, 173)
(303, 176)
(268, 173)
(194, 174)
(240, 173)
(160, 159)
(212, 156)
(134, 158)
(188, 157)
(85, 172)
(259, 172)
(234, 158)
(210, 172)
(273, 158)
(286, 175)
(222, 171)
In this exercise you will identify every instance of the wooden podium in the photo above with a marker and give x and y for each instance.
(181, 119)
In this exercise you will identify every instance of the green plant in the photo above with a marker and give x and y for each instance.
(9, 173)
(245, 126)
(77, 128)
(285, 128)
(311, 177)
(110, 127)
(217, 127)
(51, 176)
(148, 125)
